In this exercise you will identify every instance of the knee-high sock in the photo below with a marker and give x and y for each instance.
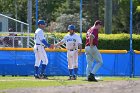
(36, 70)
(43, 68)
(70, 72)
(75, 71)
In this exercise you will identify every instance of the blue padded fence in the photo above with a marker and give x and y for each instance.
(22, 63)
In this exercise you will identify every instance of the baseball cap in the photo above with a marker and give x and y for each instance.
(42, 22)
(71, 27)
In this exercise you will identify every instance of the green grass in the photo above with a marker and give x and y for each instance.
(9, 82)
(23, 82)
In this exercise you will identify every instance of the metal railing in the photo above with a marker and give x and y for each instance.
(51, 38)
(19, 35)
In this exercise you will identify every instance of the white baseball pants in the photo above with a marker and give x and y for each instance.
(40, 55)
(72, 57)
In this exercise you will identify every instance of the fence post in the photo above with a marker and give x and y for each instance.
(131, 48)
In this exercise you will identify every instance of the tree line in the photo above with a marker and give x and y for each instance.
(54, 11)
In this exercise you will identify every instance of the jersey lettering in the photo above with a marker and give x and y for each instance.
(71, 39)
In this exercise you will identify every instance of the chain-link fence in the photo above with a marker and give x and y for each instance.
(13, 33)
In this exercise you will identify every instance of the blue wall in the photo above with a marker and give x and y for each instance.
(22, 63)
(137, 64)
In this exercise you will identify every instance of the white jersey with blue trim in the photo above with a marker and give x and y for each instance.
(72, 41)
(39, 35)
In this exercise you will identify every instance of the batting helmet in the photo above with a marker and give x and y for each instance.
(42, 22)
(71, 27)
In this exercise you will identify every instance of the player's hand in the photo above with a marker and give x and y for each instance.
(55, 46)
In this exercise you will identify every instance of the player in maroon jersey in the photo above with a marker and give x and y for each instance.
(92, 52)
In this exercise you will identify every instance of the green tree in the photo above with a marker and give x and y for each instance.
(48, 7)
(93, 10)
(121, 15)
(6, 6)
(9, 7)
(136, 17)
(68, 7)
(66, 19)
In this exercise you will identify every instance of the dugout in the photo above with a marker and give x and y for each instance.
(20, 61)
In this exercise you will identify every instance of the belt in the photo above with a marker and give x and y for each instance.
(89, 45)
(38, 44)
(72, 49)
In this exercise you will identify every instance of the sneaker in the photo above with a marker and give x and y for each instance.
(70, 78)
(43, 76)
(37, 76)
(74, 77)
(91, 77)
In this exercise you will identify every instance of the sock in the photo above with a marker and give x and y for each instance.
(36, 70)
(70, 72)
(43, 69)
(75, 71)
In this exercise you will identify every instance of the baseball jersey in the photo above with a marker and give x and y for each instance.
(72, 41)
(39, 35)
(94, 32)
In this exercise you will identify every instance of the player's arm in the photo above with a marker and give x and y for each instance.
(80, 48)
(91, 39)
(42, 39)
(79, 45)
(45, 43)
(59, 43)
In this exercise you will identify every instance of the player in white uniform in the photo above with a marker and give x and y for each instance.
(73, 41)
(40, 53)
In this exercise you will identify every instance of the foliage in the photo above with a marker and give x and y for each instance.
(48, 7)
(13, 7)
(52, 10)
(113, 41)
(64, 20)
(121, 16)
(138, 9)
(67, 7)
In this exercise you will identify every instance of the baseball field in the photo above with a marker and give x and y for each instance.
(60, 84)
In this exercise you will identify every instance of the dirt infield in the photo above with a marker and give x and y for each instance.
(125, 86)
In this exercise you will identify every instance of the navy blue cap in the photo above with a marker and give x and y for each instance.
(71, 27)
(42, 22)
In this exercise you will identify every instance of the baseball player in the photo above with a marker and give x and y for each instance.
(40, 53)
(91, 51)
(73, 42)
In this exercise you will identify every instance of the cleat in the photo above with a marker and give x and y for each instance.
(74, 77)
(91, 77)
(43, 76)
(70, 78)
(36, 76)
